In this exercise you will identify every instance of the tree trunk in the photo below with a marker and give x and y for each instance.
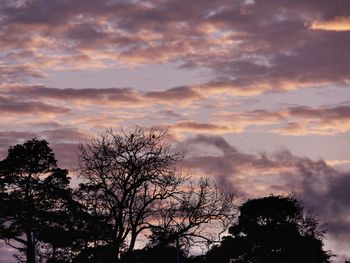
(54, 253)
(30, 250)
(177, 251)
(132, 243)
(116, 253)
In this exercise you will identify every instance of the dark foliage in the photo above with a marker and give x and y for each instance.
(36, 201)
(272, 229)
(169, 254)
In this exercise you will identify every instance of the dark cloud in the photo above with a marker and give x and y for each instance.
(225, 162)
(108, 94)
(56, 12)
(174, 94)
(270, 44)
(169, 114)
(296, 120)
(45, 124)
(183, 126)
(126, 96)
(326, 113)
(18, 73)
(324, 189)
(30, 107)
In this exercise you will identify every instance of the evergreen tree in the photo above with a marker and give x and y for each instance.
(34, 197)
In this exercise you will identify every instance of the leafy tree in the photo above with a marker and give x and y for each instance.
(63, 227)
(132, 187)
(33, 190)
(273, 229)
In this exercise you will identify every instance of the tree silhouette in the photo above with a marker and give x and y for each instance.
(183, 221)
(132, 186)
(272, 229)
(127, 176)
(31, 186)
(62, 230)
(168, 254)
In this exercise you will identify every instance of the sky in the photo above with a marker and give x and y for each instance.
(256, 93)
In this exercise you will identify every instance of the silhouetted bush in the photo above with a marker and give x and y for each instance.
(272, 229)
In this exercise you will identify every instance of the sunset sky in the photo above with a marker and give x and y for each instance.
(256, 93)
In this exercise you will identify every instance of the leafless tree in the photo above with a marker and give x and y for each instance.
(131, 181)
(198, 215)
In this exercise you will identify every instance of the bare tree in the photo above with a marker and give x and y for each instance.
(131, 181)
(184, 219)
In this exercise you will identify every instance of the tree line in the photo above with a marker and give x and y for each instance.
(134, 205)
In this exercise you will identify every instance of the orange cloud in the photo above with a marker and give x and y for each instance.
(337, 24)
(296, 121)
(338, 163)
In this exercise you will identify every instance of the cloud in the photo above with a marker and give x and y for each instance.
(293, 120)
(324, 189)
(338, 163)
(250, 118)
(33, 107)
(168, 113)
(66, 135)
(213, 155)
(250, 48)
(67, 155)
(177, 94)
(297, 120)
(10, 138)
(318, 120)
(5, 252)
(126, 97)
(64, 142)
(338, 24)
(246, 48)
(18, 73)
(197, 127)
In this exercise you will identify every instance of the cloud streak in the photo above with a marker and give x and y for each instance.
(9, 106)
(296, 120)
